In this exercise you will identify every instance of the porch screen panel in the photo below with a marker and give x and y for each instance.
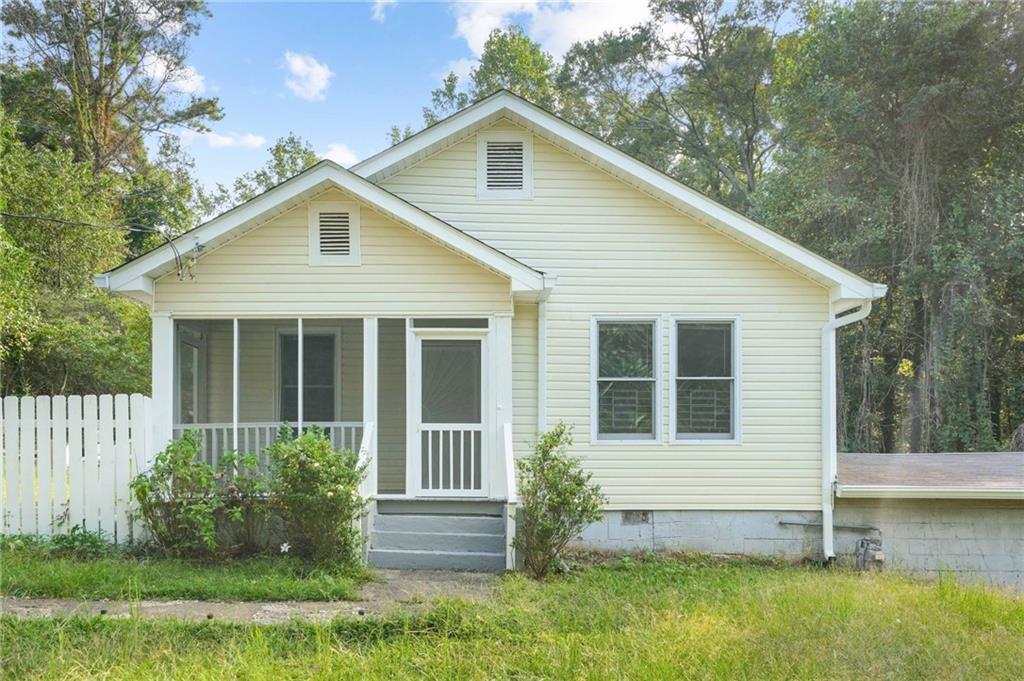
(451, 436)
(201, 377)
(266, 367)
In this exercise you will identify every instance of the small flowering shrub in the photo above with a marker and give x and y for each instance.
(558, 500)
(315, 488)
(179, 499)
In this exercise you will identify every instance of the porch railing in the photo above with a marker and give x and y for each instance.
(451, 457)
(254, 438)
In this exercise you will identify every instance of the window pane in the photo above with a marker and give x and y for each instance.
(704, 349)
(625, 407)
(317, 359)
(625, 350)
(289, 404)
(704, 407)
(317, 403)
(451, 381)
(318, 376)
(289, 359)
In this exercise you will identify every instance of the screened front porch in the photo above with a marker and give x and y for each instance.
(414, 391)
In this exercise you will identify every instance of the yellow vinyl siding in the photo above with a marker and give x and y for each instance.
(266, 272)
(617, 251)
(524, 377)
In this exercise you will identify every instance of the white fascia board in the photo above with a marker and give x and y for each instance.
(625, 166)
(326, 173)
(926, 492)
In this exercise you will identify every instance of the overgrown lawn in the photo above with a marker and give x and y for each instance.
(35, 571)
(656, 619)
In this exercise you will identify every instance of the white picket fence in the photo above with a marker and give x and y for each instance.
(67, 462)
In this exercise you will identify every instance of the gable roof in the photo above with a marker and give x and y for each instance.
(846, 287)
(135, 277)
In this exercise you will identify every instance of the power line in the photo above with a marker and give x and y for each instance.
(129, 227)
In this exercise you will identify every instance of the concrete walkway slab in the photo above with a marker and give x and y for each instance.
(404, 589)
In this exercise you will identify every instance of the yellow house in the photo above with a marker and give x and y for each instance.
(441, 302)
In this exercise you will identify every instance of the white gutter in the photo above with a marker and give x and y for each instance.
(829, 463)
(927, 492)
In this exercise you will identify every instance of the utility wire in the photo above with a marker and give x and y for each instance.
(130, 227)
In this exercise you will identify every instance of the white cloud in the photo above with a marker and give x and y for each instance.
(217, 140)
(380, 9)
(186, 81)
(460, 67)
(341, 154)
(309, 78)
(556, 25)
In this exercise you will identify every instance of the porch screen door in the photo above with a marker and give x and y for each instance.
(451, 407)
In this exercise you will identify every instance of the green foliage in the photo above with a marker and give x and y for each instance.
(179, 499)
(316, 490)
(244, 491)
(104, 71)
(34, 569)
(511, 61)
(691, 618)
(289, 156)
(557, 499)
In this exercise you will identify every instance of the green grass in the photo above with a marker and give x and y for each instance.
(658, 619)
(35, 571)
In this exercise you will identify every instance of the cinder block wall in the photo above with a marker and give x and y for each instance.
(977, 540)
(795, 534)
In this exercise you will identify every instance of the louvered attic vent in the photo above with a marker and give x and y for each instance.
(333, 233)
(504, 165)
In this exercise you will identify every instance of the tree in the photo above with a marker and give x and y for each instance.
(511, 61)
(114, 69)
(60, 334)
(696, 100)
(289, 156)
(904, 126)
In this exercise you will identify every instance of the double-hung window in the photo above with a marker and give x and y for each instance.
(705, 390)
(318, 377)
(626, 380)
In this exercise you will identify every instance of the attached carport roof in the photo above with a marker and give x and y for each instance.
(135, 278)
(997, 475)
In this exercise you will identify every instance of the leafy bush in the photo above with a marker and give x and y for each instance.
(179, 499)
(81, 544)
(316, 490)
(558, 500)
(244, 492)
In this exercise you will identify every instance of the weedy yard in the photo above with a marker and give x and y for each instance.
(646, 619)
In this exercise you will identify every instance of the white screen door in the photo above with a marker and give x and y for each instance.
(451, 457)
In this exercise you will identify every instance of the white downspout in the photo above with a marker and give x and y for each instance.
(829, 460)
(542, 352)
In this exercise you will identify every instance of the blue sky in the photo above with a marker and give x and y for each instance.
(340, 74)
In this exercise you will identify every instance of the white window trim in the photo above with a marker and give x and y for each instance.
(485, 194)
(595, 437)
(737, 370)
(280, 332)
(315, 258)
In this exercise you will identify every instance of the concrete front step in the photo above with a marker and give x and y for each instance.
(445, 524)
(438, 541)
(436, 560)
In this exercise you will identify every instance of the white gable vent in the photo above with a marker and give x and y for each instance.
(333, 233)
(504, 165)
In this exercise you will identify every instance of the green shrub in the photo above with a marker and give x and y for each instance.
(82, 544)
(557, 498)
(316, 490)
(244, 491)
(179, 500)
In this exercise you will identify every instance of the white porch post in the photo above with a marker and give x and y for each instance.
(163, 380)
(501, 398)
(370, 395)
(298, 380)
(234, 384)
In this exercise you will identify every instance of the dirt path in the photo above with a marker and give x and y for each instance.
(395, 588)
